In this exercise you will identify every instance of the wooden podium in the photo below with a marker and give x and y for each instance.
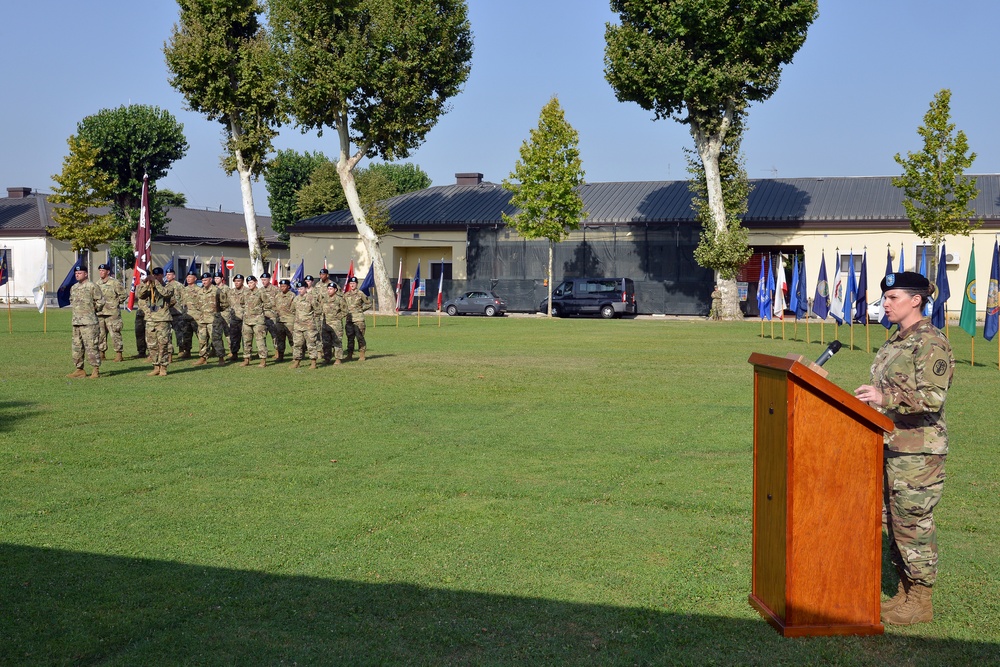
(817, 503)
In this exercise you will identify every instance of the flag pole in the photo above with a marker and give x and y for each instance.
(973, 350)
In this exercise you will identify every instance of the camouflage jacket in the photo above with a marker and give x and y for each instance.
(177, 291)
(284, 309)
(305, 312)
(236, 297)
(253, 303)
(114, 297)
(913, 370)
(270, 291)
(158, 300)
(357, 303)
(87, 300)
(206, 303)
(335, 308)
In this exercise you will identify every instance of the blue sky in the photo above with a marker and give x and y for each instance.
(852, 98)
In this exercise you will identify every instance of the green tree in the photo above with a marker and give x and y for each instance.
(380, 74)
(407, 177)
(82, 189)
(724, 251)
(287, 172)
(547, 177)
(170, 199)
(936, 192)
(701, 62)
(132, 141)
(221, 60)
(324, 193)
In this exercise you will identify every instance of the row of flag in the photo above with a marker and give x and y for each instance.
(847, 301)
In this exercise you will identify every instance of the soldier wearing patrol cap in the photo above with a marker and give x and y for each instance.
(357, 303)
(86, 300)
(110, 317)
(911, 376)
(159, 299)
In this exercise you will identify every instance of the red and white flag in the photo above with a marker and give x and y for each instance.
(276, 276)
(441, 283)
(143, 244)
(350, 274)
(399, 285)
(415, 287)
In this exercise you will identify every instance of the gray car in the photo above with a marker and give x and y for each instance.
(476, 303)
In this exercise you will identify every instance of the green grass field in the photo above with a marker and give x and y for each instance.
(510, 491)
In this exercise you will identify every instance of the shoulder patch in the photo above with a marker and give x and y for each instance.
(940, 367)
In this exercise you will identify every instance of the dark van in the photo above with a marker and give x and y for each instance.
(607, 297)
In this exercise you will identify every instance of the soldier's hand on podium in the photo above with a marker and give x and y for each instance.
(869, 394)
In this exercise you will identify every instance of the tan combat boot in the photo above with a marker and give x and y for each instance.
(94, 374)
(246, 362)
(312, 366)
(361, 355)
(201, 361)
(155, 371)
(916, 609)
(78, 373)
(295, 363)
(900, 596)
(104, 355)
(118, 356)
(163, 371)
(263, 363)
(336, 362)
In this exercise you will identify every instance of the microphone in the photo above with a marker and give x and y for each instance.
(830, 350)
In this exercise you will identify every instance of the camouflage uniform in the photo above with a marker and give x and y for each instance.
(110, 317)
(159, 299)
(188, 326)
(220, 325)
(284, 319)
(140, 329)
(205, 306)
(176, 291)
(716, 312)
(334, 310)
(270, 291)
(914, 370)
(357, 303)
(86, 300)
(253, 303)
(305, 338)
(235, 319)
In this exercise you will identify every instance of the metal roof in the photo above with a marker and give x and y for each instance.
(782, 202)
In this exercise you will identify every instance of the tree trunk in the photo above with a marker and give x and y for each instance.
(709, 146)
(550, 277)
(345, 170)
(249, 212)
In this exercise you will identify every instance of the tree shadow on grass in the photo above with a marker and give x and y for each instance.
(62, 607)
(12, 412)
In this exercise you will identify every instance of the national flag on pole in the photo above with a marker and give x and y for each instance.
(851, 291)
(821, 299)
(793, 292)
(803, 306)
(299, 272)
(368, 284)
(169, 266)
(222, 267)
(944, 292)
(399, 286)
(441, 284)
(194, 264)
(780, 289)
(770, 285)
(993, 297)
(967, 320)
(882, 318)
(276, 274)
(928, 309)
(414, 286)
(763, 298)
(62, 294)
(350, 274)
(902, 264)
(837, 296)
(38, 289)
(861, 298)
(3, 267)
(143, 244)
(325, 265)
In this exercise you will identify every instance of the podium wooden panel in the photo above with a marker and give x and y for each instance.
(817, 503)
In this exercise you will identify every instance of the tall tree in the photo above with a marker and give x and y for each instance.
(936, 191)
(724, 251)
(702, 62)
(379, 73)
(222, 62)
(407, 177)
(131, 141)
(324, 193)
(82, 189)
(287, 172)
(547, 177)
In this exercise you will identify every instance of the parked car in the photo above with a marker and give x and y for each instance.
(607, 297)
(476, 303)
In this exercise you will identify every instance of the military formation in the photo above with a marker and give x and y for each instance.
(312, 317)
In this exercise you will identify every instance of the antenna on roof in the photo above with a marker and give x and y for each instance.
(773, 170)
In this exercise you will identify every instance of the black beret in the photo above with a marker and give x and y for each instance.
(251, 279)
(909, 280)
(323, 271)
(171, 270)
(192, 272)
(105, 267)
(353, 280)
(80, 267)
(206, 275)
(157, 271)
(219, 274)
(238, 276)
(332, 285)
(309, 278)
(284, 281)
(265, 275)
(298, 284)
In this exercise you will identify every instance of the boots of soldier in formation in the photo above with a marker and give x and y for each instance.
(222, 360)
(201, 361)
(361, 355)
(163, 371)
(155, 371)
(312, 365)
(336, 362)
(263, 363)
(78, 373)
(900, 596)
(104, 355)
(94, 374)
(246, 362)
(118, 356)
(296, 363)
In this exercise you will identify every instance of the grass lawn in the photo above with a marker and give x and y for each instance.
(508, 491)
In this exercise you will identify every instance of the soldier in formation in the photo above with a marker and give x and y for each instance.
(110, 317)
(207, 302)
(284, 317)
(86, 300)
(235, 316)
(357, 303)
(334, 311)
(253, 304)
(158, 299)
(305, 338)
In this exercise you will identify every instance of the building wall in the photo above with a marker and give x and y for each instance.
(341, 248)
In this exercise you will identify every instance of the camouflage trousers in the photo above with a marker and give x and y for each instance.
(912, 487)
(271, 328)
(305, 340)
(282, 336)
(184, 329)
(86, 339)
(207, 336)
(220, 331)
(254, 333)
(333, 340)
(235, 334)
(110, 326)
(158, 342)
(354, 330)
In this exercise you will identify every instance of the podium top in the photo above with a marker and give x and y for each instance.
(824, 387)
